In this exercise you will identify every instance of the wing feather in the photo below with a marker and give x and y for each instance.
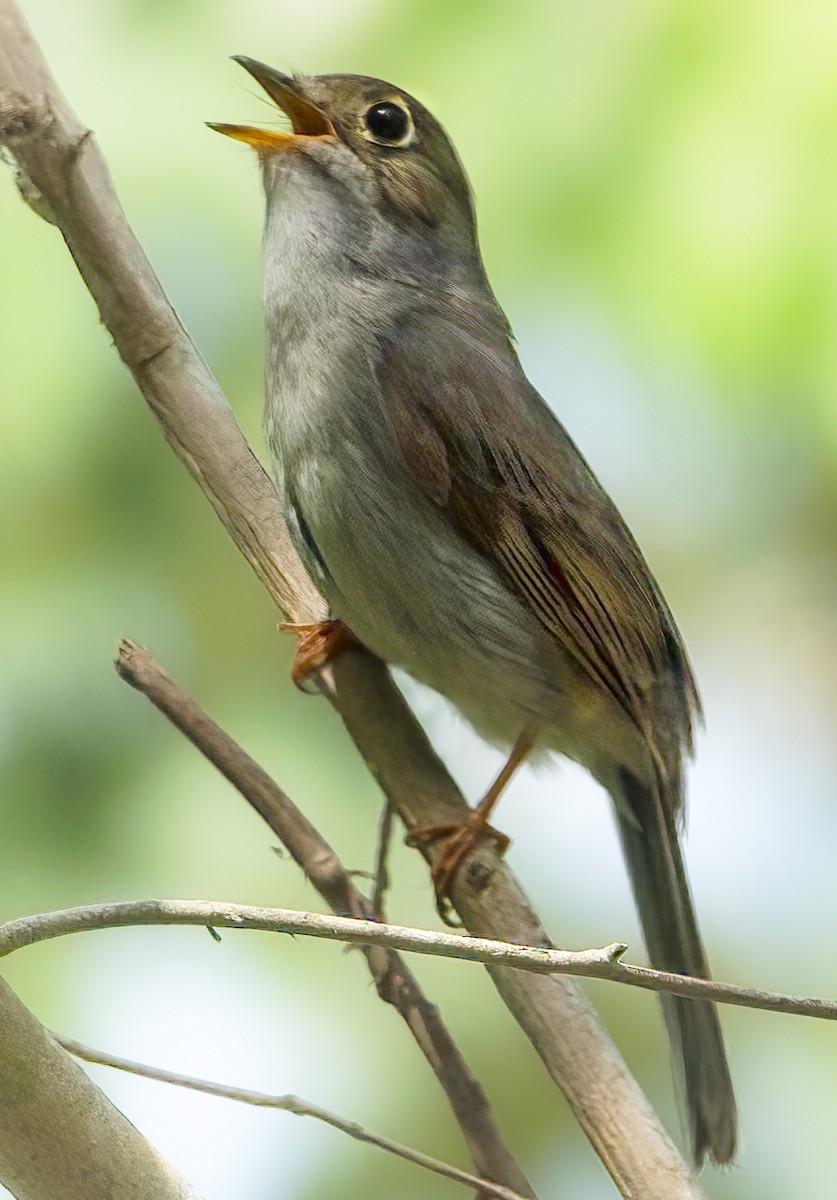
(485, 447)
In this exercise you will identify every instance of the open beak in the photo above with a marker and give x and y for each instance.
(306, 119)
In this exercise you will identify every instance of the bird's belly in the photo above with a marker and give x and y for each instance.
(421, 598)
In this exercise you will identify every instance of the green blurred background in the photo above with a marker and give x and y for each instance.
(657, 190)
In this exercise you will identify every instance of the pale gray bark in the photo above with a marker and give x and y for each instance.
(60, 1136)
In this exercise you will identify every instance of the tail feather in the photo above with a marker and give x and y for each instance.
(652, 849)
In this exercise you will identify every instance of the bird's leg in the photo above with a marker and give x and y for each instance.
(460, 837)
(319, 642)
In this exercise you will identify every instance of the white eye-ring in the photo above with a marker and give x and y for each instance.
(389, 124)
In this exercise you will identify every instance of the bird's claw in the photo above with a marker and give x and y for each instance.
(318, 643)
(460, 838)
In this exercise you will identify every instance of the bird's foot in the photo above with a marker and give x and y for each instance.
(459, 840)
(318, 643)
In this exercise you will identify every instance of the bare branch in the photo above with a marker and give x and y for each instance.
(292, 1104)
(59, 1134)
(395, 983)
(603, 963)
(59, 163)
(59, 158)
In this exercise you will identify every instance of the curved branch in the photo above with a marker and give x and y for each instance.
(603, 963)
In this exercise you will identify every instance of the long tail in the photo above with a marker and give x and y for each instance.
(655, 864)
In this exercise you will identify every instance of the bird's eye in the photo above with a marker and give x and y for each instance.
(389, 123)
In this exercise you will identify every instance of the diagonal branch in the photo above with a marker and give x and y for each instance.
(59, 162)
(394, 981)
(293, 1104)
(60, 1137)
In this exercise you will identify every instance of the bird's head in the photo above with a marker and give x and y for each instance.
(370, 145)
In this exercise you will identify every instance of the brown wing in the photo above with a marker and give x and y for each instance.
(481, 441)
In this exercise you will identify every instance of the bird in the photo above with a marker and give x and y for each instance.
(446, 515)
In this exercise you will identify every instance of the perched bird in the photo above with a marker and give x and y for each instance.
(447, 517)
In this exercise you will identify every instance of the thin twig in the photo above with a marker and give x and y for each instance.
(292, 1104)
(381, 874)
(395, 983)
(602, 963)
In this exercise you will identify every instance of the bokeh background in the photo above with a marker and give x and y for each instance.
(657, 192)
